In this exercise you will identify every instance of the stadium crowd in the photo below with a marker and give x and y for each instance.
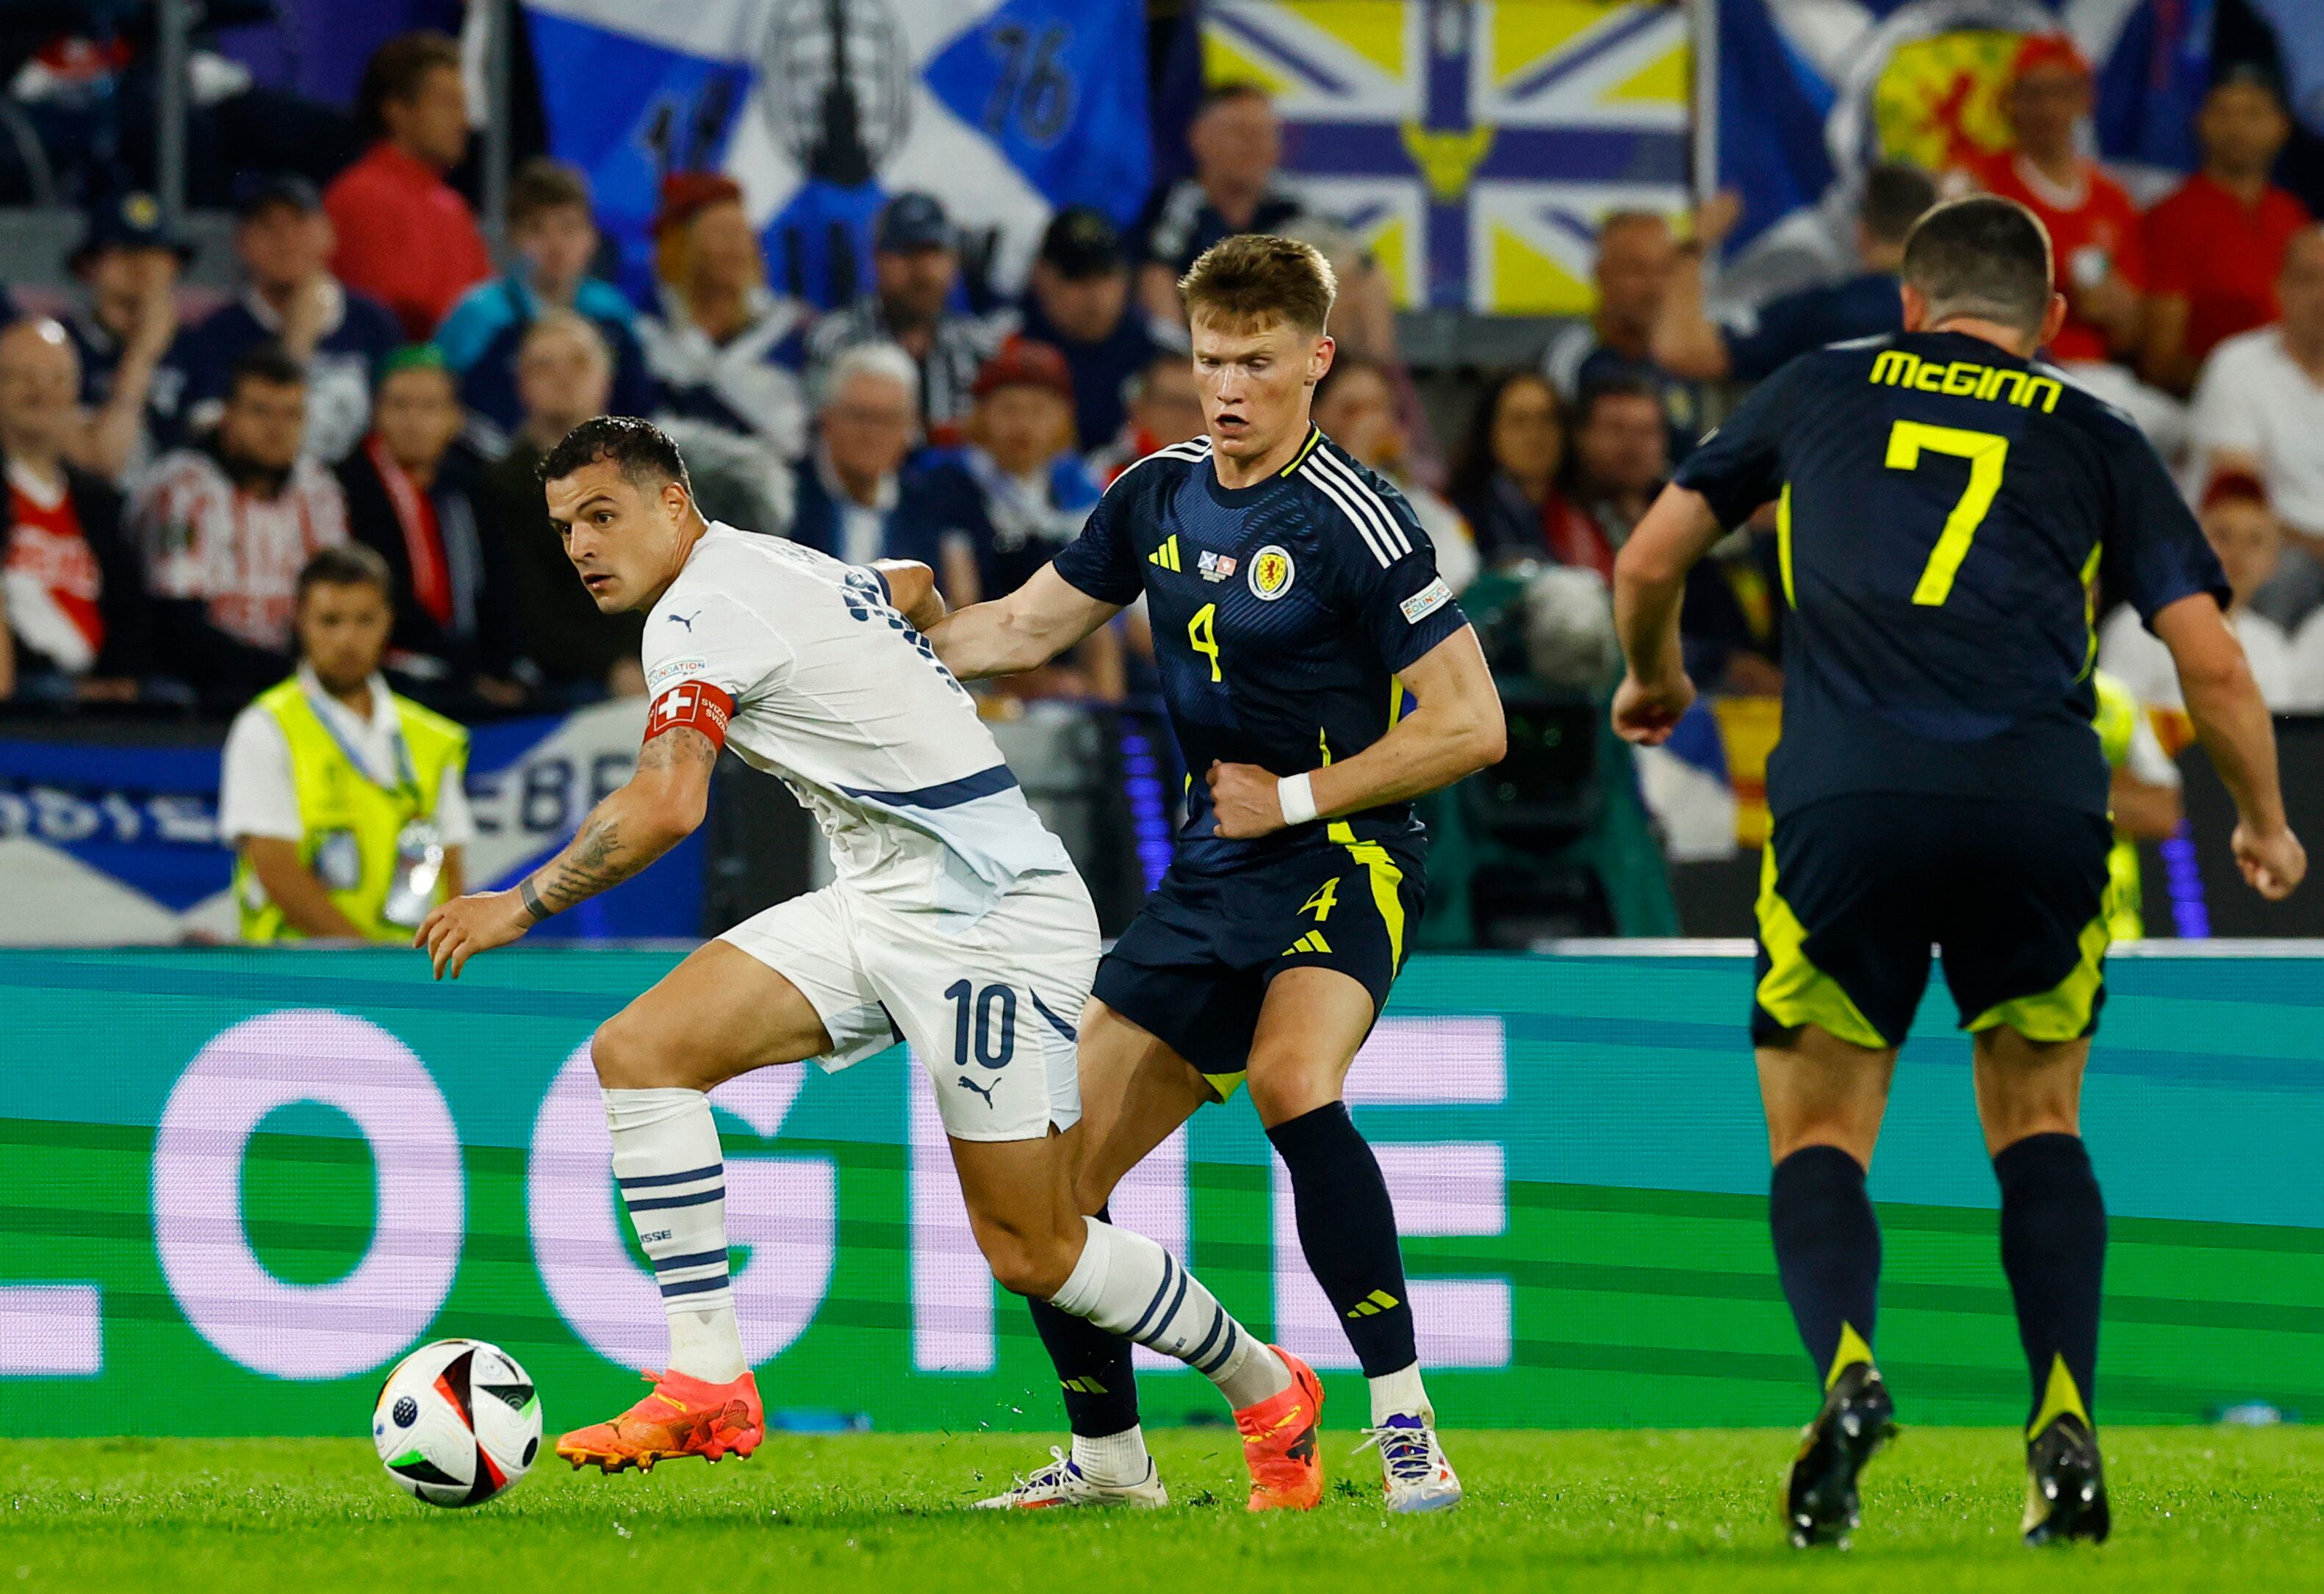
(376, 382)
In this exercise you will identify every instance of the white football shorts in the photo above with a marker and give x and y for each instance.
(990, 1006)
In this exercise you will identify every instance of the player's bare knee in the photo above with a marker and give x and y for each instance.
(1287, 1085)
(1025, 1262)
(632, 1055)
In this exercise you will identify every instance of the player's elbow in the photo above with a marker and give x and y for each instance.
(2215, 675)
(1488, 741)
(670, 815)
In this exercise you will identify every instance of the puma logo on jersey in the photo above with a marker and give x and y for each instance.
(983, 1091)
(687, 620)
(1166, 556)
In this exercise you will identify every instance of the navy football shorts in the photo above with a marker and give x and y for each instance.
(1855, 891)
(1194, 965)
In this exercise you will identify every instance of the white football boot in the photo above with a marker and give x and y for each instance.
(1061, 1483)
(1415, 1476)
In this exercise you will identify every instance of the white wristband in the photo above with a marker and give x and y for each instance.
(1296, 797)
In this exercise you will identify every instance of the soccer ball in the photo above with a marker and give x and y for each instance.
(457, 1423)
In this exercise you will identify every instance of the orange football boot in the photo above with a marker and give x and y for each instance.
(684, 1416)
(1278, 1443)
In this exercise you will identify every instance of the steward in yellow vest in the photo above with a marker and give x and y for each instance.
(357, 845)
(2145, 799)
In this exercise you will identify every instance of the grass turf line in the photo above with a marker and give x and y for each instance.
(2194, 1507)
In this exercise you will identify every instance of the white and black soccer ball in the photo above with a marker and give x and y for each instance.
(457, 1422)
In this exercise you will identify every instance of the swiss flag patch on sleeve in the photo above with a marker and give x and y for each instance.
(698, 703)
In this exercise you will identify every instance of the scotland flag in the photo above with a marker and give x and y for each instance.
(821, 109)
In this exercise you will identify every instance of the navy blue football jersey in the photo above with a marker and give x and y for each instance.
(1943, 511)
(1282, 613)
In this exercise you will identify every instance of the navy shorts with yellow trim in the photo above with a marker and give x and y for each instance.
(1194, 964)
(1855, 891)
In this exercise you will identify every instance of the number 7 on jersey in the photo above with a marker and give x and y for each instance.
(1986, 453)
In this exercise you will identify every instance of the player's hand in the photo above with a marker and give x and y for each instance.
(1646, 712)
(2271, 864)
(1243, 801)
(456, 931)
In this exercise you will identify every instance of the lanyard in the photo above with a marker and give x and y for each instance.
(407, 781)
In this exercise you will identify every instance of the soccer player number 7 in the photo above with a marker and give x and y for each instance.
(1986, 453)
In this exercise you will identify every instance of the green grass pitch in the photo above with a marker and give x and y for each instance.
(2194, 1508)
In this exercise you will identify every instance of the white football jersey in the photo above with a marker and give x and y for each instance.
(833, 692)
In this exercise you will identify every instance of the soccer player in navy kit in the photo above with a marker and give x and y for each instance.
(1319, 677)
(1944, 502)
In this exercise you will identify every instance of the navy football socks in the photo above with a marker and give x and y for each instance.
(1828, 1252)
(1347, 1227)
(2054, 1238)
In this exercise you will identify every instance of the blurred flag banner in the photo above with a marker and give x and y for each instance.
(1471, 145)
(1812, 92)
(821, 109)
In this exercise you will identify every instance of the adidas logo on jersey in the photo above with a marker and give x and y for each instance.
(1166, 556)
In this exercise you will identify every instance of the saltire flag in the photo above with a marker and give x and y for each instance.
(1006, 110)
(117, 845)
(1813, 92)
(1472, 145)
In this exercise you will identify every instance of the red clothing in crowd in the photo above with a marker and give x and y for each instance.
(2092, 230)
(2205, 245)
(405, 237)
(51, 576)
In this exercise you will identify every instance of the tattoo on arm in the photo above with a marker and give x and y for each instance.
(599, 859)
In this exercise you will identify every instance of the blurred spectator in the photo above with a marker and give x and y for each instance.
(73, 620)
(1166, 407)
(2260, 409)
(571, 650)
(414, 497)
(2144, 797)
(1688, 343)
(1632, 271)
(405, 236)
(226, 524)
(346, 805)
(555, 240)
(847, 485)
(1078, 303)
(914, 265)
(988, 515)
(2094, 226)
(2242, 531)
(726, 351)
(1622, 455)
(130, 260)
(1355, 405)
(2214, 247)
(1237, 142)
(283, 239)
(1506, 474)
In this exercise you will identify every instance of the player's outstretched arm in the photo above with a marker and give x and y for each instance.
(1454, 728)
(1649, 584)
(662, 805)
(2232, 720)
(1021, 631)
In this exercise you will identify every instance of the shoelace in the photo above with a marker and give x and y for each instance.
(1410, 1453)
(1052, 1476)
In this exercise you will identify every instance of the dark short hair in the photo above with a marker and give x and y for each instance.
(1351, 365)
(1252, 279)
(350, 564)
(540, 185)
(269, 363)
(641, 449)
(1233, 89)
(1597, 391)
(396, 70)
(1984, 256)
(1894, 198)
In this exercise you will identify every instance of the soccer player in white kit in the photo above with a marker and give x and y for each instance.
(955, 921)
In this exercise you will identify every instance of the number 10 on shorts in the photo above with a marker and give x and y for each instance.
(984, 1024)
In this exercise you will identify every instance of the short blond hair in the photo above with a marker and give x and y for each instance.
(1246, 282)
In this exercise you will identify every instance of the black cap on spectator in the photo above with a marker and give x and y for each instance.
(282, 188)
(1081, 243)
(911, 222)
(133, 221)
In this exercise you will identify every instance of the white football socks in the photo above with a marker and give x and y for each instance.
(667, 1162)
(1118, 1458)
(1400, 1394)
(1128, 1285)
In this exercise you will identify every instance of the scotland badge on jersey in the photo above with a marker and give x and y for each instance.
(1271, 572)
